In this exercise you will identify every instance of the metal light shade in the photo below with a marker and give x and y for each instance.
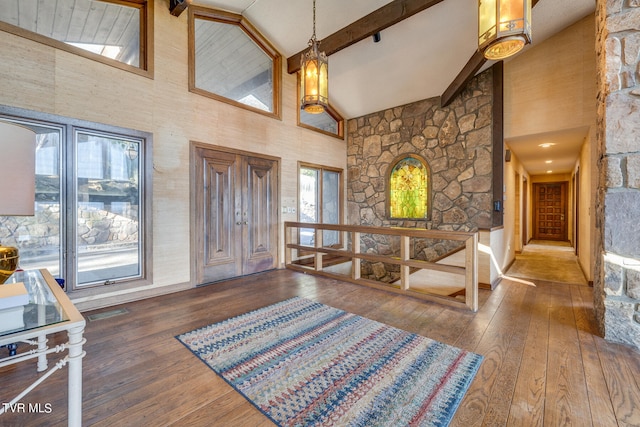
(17, 183)
(314, 81)
(504, 27)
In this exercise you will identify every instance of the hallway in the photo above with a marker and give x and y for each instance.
(547, 260)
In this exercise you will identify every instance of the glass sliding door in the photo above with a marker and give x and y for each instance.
(320, 201)
(331, 205)
(93, 210)
(107, 202)
(309, 180)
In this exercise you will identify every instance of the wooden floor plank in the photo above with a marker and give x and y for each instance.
(601, 408)
(527, 404)
(619, 365)
(566, 384)
(500, 402)
(493, 346)
(137, 373)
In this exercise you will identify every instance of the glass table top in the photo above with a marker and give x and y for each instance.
(43, 308)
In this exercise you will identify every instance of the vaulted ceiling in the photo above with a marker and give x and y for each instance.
(424, 44)
(417, 58)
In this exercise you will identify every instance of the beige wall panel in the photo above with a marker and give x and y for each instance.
(586, 226)
(552, 86)
(513, 239)
(27, 74)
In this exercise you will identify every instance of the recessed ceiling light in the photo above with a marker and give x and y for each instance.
(548, 161)
(546, 145)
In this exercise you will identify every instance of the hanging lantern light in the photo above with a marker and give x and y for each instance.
(504, 27)
(314, 80)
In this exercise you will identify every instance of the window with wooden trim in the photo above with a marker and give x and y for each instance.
(319, 201)
(116, 32)
(408, 185)
(229, 60)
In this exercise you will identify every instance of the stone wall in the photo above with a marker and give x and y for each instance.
(456, 142)
(617, 270)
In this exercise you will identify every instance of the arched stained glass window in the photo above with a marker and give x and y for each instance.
(409, 189)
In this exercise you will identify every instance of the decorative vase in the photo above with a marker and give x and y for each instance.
(8, 262)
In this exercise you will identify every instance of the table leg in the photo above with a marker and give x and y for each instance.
(75, 375)
(42, 348)
(42, 340)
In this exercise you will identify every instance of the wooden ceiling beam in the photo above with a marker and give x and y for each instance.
(376, 21)
(176, 7)
(470, 69)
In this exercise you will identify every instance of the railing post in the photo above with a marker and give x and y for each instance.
(355, 250)
(287, 241)
(318, 255)
(405, 254)
(471, 272)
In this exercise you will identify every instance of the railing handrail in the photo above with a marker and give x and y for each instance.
(470, 269)
(391, 231)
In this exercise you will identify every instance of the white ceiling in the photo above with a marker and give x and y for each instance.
(416, 59)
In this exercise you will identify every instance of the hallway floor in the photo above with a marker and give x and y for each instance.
(548, 260)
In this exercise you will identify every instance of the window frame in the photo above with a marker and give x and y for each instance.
(321, 169)
(68, 197)
(330, 110)
(199, 12)
(146, 39)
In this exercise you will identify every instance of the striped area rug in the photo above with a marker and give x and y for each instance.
(303, 363)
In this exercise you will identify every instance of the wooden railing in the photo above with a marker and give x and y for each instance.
(312, 259)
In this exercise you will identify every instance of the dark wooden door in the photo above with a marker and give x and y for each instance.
(550, 209)
(235, 214)
(260, 215)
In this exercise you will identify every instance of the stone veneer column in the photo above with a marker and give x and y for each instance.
(617, 270)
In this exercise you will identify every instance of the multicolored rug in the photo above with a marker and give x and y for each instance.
(303, 363)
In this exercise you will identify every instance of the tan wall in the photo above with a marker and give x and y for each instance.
(40, 78)
(552, 86)
(587, 223)
(514, 176)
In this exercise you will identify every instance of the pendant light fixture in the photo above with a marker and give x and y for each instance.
(504, 27)
(314, 79)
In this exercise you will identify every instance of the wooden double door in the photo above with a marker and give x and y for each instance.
(550, 211)
(235, 213)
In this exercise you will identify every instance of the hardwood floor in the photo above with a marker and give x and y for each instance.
(544, 362)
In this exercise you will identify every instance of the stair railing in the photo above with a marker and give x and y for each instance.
(296, 253)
